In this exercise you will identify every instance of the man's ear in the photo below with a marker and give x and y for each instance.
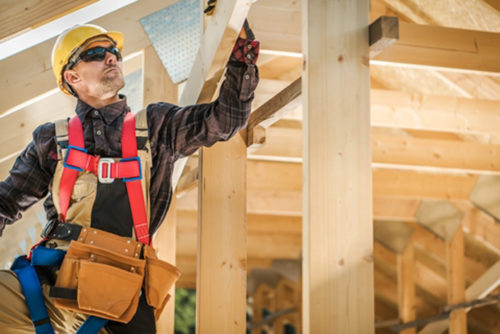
(71, 77)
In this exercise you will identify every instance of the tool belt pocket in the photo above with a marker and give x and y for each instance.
(97, 281)
(160, 277)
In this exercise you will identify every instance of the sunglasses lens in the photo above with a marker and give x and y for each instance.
(95, 54)
(99, 54)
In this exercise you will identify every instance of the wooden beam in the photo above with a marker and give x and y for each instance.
(268, 236)
(164, 240)
(221, 274)
(444, 48)
(217, 42)
(406, 287)
(337, 169)
(276, 188)
(417, 150)
(20, 16)
(436, 113)
(479, 289)
(277, 24)
(456, 281)
(495, 4)
(268, 113)
(187, 265)
(24, 79)
(479, 224)
(159, 87)
(489, 281)
(383, 33)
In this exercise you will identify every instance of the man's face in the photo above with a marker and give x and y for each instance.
(100, 79)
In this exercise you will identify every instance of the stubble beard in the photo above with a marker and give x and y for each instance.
(111, 83)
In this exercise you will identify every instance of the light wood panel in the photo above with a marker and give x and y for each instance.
(456, 281)
(20, 16)
(337, 269)
(406, 287)
(159, 87)
(217, 42)
(221, 273)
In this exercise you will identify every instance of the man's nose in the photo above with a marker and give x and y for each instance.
(110, 58)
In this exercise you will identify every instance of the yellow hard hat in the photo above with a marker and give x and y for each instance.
(70, 40)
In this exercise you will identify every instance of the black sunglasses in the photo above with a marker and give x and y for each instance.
(97, 54)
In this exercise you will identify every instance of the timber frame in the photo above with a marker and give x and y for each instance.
(364, 194)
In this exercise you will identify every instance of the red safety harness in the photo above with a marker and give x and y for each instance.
(128, 168)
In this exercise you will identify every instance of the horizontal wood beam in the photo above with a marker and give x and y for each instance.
(438, 152)
(436, 113)
(495, 4)
(436, 47)
(384, 32)
(20, 16)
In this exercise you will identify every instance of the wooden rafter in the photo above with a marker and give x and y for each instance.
(20, 16)
(446, 48)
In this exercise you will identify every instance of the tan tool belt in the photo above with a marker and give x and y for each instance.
(102, 274)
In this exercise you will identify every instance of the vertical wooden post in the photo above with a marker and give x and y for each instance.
(455, 273)
(337, 216)
(406, 287)
(221, 269)
(159, 87)
(165, 243)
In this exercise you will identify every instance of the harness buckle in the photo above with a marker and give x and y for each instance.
(48, 228)
(105, 162)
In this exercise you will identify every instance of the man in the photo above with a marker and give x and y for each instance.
(87, 64)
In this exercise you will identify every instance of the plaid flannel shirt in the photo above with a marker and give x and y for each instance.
(174, 131)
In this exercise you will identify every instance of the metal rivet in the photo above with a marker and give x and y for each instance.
(138, 245)
(84, 230)
(81, 239)
(247, 77)
(136, 255)
(95, 232)
(132, 269)
(126, 250)
(91, 242)
(128, 241)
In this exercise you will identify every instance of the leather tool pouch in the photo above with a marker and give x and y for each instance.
(102, 274)
(106, 284)
(159, 279)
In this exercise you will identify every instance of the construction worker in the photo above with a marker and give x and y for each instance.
(107, 174)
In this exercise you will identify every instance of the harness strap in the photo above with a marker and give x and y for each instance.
(32, 291)
(104, 168)
(129, 163)
(134, 187)
(92, 325)
(69, 176)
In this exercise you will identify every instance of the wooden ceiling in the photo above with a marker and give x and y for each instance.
(434, 136)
